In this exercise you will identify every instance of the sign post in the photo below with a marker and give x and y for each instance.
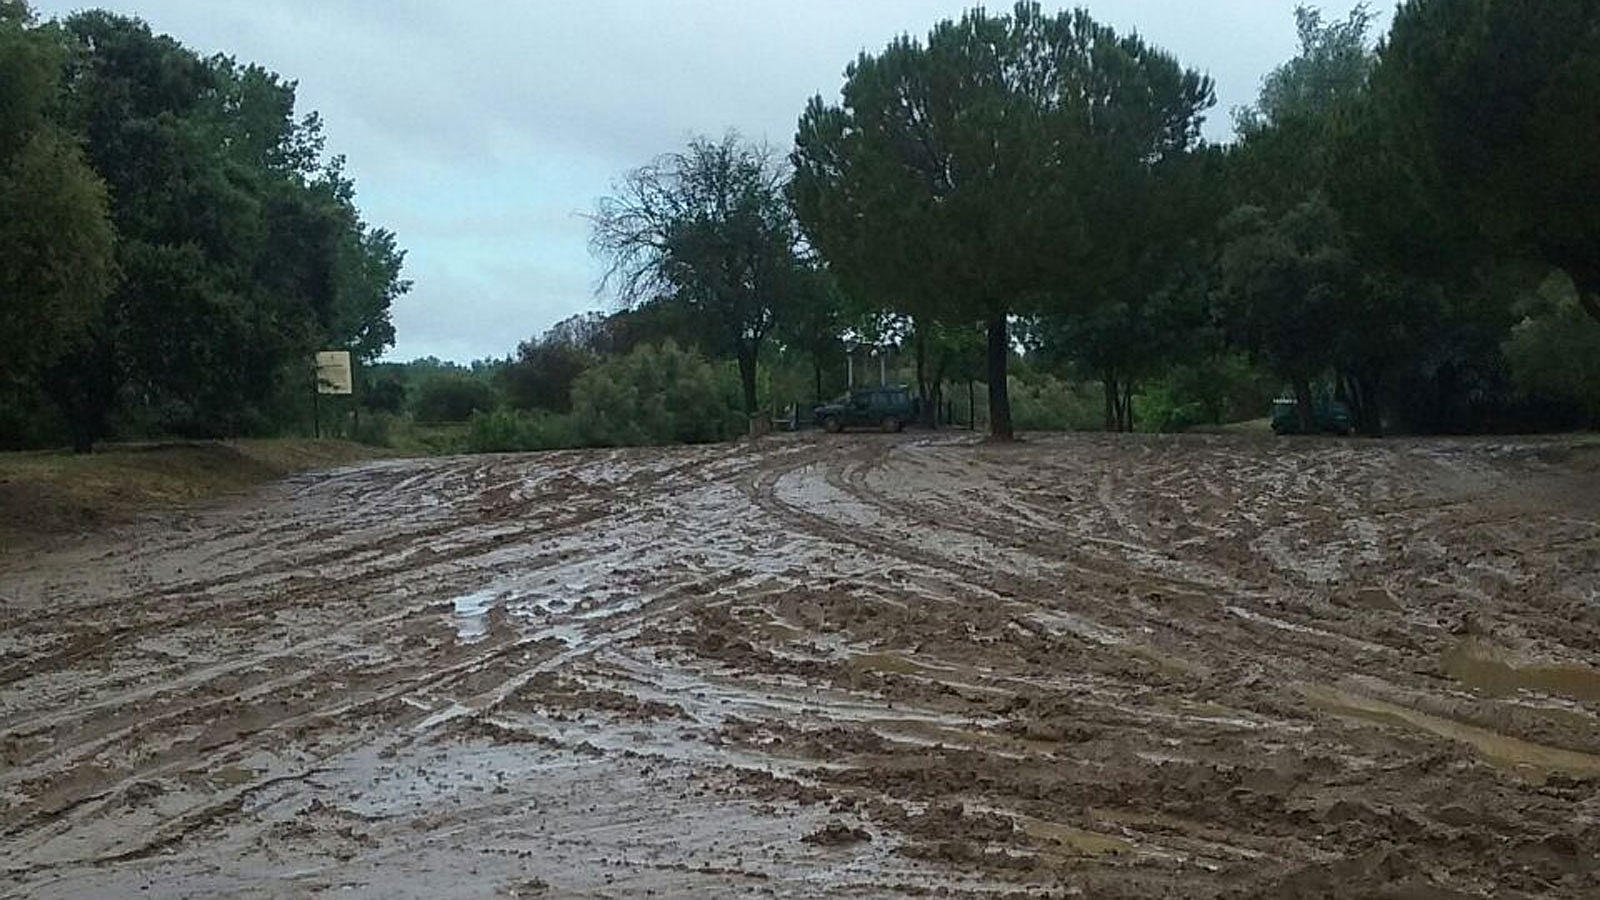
(334, 376)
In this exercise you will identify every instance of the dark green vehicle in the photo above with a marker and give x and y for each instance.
(888, 408)
(1330, 416)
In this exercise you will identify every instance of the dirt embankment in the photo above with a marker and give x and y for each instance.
(1100, 666)
(45, 496)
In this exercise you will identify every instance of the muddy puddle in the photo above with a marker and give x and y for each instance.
(1521, 757)
(1501, 673)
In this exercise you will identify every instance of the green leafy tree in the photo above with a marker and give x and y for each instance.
(938, 352)
(816, 321)
(1289, 136)
(708, 230)
(1554, 351)
(386, 393)
(1315, 148)
(950, 182)
(542, 374)
(56, 238)
(1281, 283)
(1493, 107)
(1140, 313)
(1333, 64)
(239, 251)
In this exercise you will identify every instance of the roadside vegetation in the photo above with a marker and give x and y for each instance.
(178, 240)
(44, 494)
(1015, 214)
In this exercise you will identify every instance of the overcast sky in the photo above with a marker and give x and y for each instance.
(480, 130)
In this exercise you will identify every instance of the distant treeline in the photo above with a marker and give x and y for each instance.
(1407, 225)
(174, 240)
(1022, 201)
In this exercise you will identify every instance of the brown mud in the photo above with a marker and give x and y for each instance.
(862, 666)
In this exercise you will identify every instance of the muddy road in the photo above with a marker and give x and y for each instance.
(869, 666)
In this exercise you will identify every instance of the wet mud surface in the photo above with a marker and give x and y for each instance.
(869, 666)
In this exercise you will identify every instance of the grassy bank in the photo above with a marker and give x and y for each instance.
(45, 494)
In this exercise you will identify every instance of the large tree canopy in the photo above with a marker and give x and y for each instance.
(1495, 107)
(237, 246)
(956, 179)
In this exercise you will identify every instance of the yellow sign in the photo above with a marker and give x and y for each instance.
(333, 372)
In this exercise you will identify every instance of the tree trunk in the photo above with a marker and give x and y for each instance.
(747, 378)
(816, 373)
(1127, 405)
(1363, 393)
(1108, 383)
(1348, 390)
(936, 381)
(999, 394)
(925, 408)
(82, 439)
(1303, 406)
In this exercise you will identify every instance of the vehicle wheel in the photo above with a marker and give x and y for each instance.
(831, 426)
(891, 424)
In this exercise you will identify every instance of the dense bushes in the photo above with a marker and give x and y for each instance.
(510, 430)
(542, 374)
(1555, 352)
(657, 394)
(1041, 402)
(452, 398)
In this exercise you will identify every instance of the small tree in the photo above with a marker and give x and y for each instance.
(541, 375)
(1282, 284)
(708, 229)
(816, 321)
(1139, 312)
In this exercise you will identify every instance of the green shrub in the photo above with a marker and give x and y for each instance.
(387, 394)
(542, 374)
(452, 398)
(433, 439)
(27, 420)
(510, 431)
(1160, 407)
(373, 429)
(1043, 402)
(1554, 354)
(656, 395)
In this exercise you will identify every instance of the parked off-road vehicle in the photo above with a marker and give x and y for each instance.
(1329, 416)
(888, 408)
